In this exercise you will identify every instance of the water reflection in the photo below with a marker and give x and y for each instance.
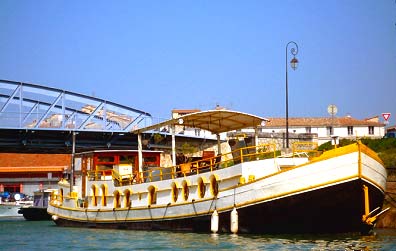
(23, 235)
(380, 240)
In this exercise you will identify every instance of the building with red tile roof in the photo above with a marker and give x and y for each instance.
(326, 127)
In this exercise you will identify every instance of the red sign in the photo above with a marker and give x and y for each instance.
(386, 115)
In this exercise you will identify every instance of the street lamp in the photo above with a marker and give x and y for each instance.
(293, 64)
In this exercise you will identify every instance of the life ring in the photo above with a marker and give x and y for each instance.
(17, 196)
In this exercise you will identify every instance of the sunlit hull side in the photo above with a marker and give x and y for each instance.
(324, 195)
(326, 210)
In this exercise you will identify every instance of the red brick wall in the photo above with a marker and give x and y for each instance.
(25, 160)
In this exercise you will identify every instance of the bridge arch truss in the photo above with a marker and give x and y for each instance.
(40, 119)
(31, 106)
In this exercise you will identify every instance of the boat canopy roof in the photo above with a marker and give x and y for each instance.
(215, 121)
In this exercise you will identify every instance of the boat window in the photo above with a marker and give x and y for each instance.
(185, 190)
(201, 188)
(175, 192)
(152, 195)
(104, 195)
(94, 193)
(104, 167)
(89, 163)
(150, 161)
(105, 158)
(127, 198)
(127, 159)
(117, 199)
(104, 164)
(214, 186)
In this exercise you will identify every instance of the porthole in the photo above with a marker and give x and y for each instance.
(127, 198)
(104, 194)
(117, 197)
(94, 193)
(214, 186)
(201, 188)
(175, 192)
(185, 191)
(152, 195)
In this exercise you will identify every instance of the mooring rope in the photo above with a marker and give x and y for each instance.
(115, 214)
(166, 209)
(97, 214)
(214, 200)
(126, 216)
(195, 210)
(151, 216)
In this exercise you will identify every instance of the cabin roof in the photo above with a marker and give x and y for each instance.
(215, 121)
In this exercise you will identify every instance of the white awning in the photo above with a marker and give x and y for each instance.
(215, 121)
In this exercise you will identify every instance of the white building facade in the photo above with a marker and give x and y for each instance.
(326, 128)
(318, 129)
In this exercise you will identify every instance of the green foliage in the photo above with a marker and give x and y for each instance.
(328, 146)
(227, 163)
(385, 148)
(268, 155)
(380, 145)
(158, 138)
(186, 148)
(388, 157)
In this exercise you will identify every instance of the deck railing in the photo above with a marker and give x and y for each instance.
(209, 164)
(309, 148)
(240, 155)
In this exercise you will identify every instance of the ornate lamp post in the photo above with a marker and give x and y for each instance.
(293, 64)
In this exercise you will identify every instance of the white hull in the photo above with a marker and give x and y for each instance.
(9, 210)
(249, 187)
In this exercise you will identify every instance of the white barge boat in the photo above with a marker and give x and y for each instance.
(255, 191)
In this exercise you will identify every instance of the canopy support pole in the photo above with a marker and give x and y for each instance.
(173, 145)
(218, 144)
(256, 139)
(72, 161)
(140, 153)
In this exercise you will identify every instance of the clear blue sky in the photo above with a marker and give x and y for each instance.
(160, 55)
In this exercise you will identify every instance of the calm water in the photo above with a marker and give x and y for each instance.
(44, 235)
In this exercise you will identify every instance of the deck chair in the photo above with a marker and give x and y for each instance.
(217, 161)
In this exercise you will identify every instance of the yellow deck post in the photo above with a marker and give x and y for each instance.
(366, 201)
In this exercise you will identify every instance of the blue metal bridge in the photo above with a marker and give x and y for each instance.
(35, 118)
